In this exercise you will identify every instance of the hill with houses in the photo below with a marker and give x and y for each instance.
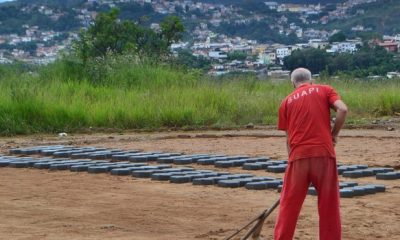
(222, 31)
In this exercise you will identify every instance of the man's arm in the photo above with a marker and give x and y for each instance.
(287, 144)
(341, 112)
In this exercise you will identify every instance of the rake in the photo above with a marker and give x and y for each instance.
(255, 230)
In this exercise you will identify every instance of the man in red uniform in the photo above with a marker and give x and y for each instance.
(305, 116)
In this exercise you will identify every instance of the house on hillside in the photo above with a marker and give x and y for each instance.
(318, 43)
(217, 55)
(283, 52)
(271, 5)
(267, 57)
(391, 75)
(390, 46)
(349, 46)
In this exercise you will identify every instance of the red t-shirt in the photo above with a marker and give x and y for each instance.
(305, 115)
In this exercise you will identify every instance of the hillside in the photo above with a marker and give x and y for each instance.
(381, 16)
(64, 17)
(278, 1)
(31, 24)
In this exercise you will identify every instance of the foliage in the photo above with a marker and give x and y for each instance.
(171, 29)
(366, 61)
(381, 16)
(138, 95)
(314, 59)
(109, 35)
(337, 37)
(138, 12)
(237, 55)
(257, 30)
(12, 18)
(187, 59)
(227, 2)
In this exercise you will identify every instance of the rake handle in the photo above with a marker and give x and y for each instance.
(260, 218)
(256, 229)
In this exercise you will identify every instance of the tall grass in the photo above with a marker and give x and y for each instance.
(130, 94)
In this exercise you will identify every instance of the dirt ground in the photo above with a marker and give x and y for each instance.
(42, 204)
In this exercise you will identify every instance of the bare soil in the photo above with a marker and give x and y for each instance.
(42, 204)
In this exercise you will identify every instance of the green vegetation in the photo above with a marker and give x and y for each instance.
(13, 18)
(251, 30)
(365, 62)
(137, 95)
(237, 55)
(14, 15)
(337, 37)
(122, 76)
(380, 16)
(110, 35)
(186, 59)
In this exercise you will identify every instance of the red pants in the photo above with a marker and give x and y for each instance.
(322, 173)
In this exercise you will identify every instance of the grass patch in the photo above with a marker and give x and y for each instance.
(134, 95)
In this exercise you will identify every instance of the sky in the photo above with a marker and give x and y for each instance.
(5, 1)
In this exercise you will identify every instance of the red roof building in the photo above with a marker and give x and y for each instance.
(390, 46)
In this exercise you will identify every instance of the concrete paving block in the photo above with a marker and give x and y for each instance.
(388, 176)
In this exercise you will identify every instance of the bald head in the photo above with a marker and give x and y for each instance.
(300, 76)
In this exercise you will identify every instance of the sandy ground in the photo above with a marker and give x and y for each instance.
(41, 204)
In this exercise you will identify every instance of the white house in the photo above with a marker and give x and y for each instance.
(283, 52)
(349, 46)
(217, 55)
(271, 5)
(393, 75)
(317, 43)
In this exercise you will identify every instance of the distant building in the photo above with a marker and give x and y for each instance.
(279, 73)
(271, 5)
(349, 46)
(318, 43)
(283, 52)
(391, 75)
(155, 27)
(180, 45)
(358, 28)
(267, 58)
(217, 55)
(299, 32)
(390, 46)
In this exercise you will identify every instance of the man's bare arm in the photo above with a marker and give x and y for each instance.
(341, 112)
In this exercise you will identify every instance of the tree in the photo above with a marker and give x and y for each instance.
(337, 37)
(108, 34)
(237, 55)
(186, 58)
(367, 60)
(341, 62)
(171, 29)
(314, 59)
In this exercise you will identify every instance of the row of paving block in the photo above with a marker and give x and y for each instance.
(358, 171)
(161, 172)
(352, 189)
(220, 161)
(165, 172)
